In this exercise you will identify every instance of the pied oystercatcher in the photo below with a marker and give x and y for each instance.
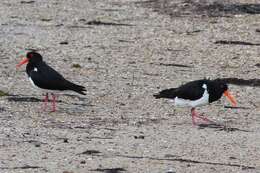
(45, 77)
(197, 93)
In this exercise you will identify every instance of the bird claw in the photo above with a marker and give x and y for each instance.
(201, 117)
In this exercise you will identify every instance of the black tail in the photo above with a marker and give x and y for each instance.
(168, 93)
(77, 88)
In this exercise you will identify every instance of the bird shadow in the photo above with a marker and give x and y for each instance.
(72, 108)
(221, 127)
(25, 99)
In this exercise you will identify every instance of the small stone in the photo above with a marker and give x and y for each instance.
(83, 162)
(37, 144)
(257, 65)
(66, 140)
(64, 42)
(76, 66)
(139, 137)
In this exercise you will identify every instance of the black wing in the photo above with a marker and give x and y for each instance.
(167, 93)
(191, 90)
(47, 78)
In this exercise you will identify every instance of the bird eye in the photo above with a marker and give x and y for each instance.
(29, 55)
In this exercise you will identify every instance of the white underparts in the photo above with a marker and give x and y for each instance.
(204, 100)
(30, 79)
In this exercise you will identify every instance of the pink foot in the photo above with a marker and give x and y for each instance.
(194, 115)
(53, 103)
(46, 100)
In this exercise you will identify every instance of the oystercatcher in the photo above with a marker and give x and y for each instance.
(197, 93)
(43, 76)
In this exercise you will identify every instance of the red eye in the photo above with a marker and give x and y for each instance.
(30, 55)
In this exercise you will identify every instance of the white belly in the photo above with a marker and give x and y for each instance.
(204, 100)
(31, 81)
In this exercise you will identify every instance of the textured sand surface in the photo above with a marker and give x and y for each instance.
(119, 124)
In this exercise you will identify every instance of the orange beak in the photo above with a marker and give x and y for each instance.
(25, 60)
(230, 98)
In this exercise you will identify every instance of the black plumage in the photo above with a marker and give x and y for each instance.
(197, 93)
(194, 90)
(45, 77)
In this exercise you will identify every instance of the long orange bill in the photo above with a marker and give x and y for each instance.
(22, 62)
(230, 98)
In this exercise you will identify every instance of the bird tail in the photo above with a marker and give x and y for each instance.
(167, 93)
(77, 88)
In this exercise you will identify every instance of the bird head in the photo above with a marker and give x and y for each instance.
(221, 88)
(31, 57)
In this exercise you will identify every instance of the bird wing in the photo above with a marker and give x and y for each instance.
(46, 77)
(191, 91)
(167, 93)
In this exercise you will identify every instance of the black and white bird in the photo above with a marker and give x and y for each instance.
(44, 77)
(197, 93)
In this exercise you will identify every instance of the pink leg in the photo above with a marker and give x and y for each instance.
(195, 115)
(46, 100)
(53, 103)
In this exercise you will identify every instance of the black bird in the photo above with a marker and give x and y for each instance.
(45, 77)
(197, 93)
